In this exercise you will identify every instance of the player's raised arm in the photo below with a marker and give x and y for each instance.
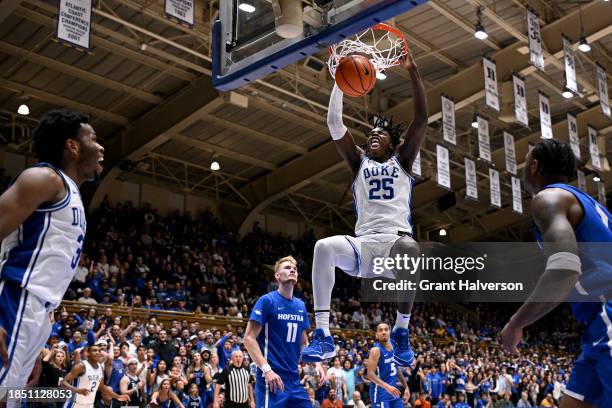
(371, 364)
(33, 187)
(550, 212)
(409, 148)
(250, 342)
(343, 138)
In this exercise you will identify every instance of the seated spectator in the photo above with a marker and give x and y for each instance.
(356, 401)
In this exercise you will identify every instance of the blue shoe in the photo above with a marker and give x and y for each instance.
(403, 355)
(320, 348)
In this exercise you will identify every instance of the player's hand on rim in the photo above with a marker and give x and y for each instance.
(274, 381)
(407, 61)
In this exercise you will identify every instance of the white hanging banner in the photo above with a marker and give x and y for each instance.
(444, 179)
(594, 148)
(484, 141)
(545, 121)
(572, 127)
(510, 153)
(520, 100)
(494, 190)
(416, 165)
(536, 55)
(491, 91)
(517, 198)
(471, 186)
(601, 193)
(74, 23)
(448, 120)
(182, 10)
(570, 65)
(602, 85)
(581, 180)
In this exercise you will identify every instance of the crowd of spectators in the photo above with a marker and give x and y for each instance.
(135, 257)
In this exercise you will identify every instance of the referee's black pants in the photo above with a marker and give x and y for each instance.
(229, 404)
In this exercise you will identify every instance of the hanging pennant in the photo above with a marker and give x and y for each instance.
(444, 179)
(491, 91)
(448, 120)
(494, 187)
(520, 100)
(536, 55)
(572, 127)
(582, 185)
(545, 121)
(74, 23)
(510, 153)
(601, 193)
(602, 85)
(181, 10)
(484, 141)
(517, 199)
(416, 165)
(471, 186)
(594, 148)
(570, 65)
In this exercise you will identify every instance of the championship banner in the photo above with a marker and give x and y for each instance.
(448, 120)
(484, 141)
(601, 193)
(510, 153)
(545, 121)
(444, 179)
(536, 55)
(574, 140)
(570, 65)
(602, 85)
(74, 23)
(517, 199)
(494, 190)
(491, 91)
(520, 100)
(416, 165)
(594, 148)
(582, 185)
(181, 10)
(471, 186)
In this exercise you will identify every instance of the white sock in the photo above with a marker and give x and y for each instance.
(322, 320)
(401, 321)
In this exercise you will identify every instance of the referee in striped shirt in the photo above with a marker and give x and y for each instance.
(238, 383)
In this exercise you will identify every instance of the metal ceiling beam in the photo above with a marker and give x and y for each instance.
(61, 101)
(113, 47)
(230, 154)
(79, 73)
(432, 50)
(7, 7)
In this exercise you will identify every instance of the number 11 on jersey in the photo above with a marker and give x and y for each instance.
(292, 329)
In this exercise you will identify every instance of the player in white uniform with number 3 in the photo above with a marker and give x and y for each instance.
(86, 378)
(382, 191)
(42, 228)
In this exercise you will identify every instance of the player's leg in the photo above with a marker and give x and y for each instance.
(400, 336)
(298, 395)
(584, 388)
(329, 253)
(264, 398)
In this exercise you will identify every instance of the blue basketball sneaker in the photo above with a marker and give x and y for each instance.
(403, 354)
(320, 348)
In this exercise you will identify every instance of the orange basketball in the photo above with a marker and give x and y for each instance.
(355, 75)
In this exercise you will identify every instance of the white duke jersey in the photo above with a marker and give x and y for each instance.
(42, 254)
(89, 380)
(382, 194)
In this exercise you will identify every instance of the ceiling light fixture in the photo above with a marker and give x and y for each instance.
(475, 122)
(596, 179)
(381, 75)
(247, 6)
(442, 232)
(567, 94)
(479, 31)
(584, 44)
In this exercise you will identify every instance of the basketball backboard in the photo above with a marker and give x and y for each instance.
(246, 46)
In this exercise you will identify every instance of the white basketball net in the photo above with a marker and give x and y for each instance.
(383, 47)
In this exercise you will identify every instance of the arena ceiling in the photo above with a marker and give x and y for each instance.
(146, 83)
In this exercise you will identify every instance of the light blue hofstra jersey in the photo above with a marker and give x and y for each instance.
(41, 255)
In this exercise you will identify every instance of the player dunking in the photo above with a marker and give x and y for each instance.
(86, 378)
(383, 374)
(274, 336)
(42, 225)
(382, 190)
(565, 216)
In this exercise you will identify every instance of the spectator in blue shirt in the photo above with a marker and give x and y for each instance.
(461, 403)
(436, 386)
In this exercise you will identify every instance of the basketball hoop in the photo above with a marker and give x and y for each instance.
(383, 44)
